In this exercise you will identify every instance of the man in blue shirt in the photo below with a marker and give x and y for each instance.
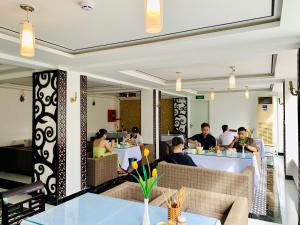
(204, 139)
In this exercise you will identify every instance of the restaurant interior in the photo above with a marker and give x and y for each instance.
(132, 112)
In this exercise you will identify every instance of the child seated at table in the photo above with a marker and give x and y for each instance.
(177, 156)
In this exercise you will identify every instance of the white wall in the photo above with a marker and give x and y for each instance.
(73, 145)
(147, 116)
(97, 115)
(234, 110)
(16, 117)
(291, 123)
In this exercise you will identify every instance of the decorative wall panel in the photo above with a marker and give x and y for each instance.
(180, 115)
(49, 131)
(83, 130)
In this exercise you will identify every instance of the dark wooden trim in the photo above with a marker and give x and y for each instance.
(289, 177)
(298, 81)
(83, 130)
(284, 128)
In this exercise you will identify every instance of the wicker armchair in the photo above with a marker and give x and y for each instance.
(101, 170)
(237, 184)
(132, 192)
(230, 210)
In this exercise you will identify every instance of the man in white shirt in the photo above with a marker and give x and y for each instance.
(136, 138)
(227, 136)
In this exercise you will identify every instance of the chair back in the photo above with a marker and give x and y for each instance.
(13, 214)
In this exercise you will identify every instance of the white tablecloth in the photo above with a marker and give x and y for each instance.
(169, 137)
(261, 145)
(124, 154)
(229, 164)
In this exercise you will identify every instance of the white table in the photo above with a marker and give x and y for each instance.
(124, 154)
(228, 161)
(166, 137)
(261, 145)
(93, 209)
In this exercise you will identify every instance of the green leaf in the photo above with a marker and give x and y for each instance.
(141, 184)
(153, 184)
(145, 178)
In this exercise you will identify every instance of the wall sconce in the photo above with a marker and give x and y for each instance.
(292, 89)
(74, 99)
(94, 102)
(22, 96)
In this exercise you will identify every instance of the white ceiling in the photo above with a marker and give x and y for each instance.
(58, 22)
(249, 47)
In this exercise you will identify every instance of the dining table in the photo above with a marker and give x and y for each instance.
(94, 209)
(260, 143)
(126, 152)
(226, 160)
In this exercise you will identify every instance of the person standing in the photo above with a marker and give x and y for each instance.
(227, 136)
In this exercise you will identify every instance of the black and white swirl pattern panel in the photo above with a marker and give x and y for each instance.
(180, 115)
(44, 133)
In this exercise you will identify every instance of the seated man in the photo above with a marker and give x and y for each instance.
(177, 156)
(238, 142)
(227, 136)
(205, 139)
(135, 137)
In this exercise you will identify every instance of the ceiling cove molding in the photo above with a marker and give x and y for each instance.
(173, 93)
(270, 20)
(144, 76)
(113, 91)
(115, 81)
(16, 75)
(212, 79)
(24, 62)
(238, 90)
(16, 87)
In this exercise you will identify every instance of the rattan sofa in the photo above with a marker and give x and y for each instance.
(237, 184)
(229, 209)
(132, 192)
(101, 170)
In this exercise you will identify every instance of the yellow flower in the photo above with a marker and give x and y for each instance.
(146, 152)
(154, 173)
(134, 165)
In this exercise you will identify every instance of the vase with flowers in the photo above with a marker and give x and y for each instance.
(146, 183)
(244, 142)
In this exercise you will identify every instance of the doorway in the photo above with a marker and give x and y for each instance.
(199, 113)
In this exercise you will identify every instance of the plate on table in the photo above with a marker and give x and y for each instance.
(191, 151)
(162, 223)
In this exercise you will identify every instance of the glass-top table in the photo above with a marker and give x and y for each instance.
(93, 209)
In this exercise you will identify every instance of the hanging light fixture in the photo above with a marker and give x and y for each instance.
(247, 94)
(154, 17)
(178, 82)
(232, 80)
(27, 38)
(212, 95)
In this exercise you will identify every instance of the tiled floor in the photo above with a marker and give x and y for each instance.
(288, 196)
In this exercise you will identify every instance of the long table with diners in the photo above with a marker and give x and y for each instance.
(230, 161)
(93, 209)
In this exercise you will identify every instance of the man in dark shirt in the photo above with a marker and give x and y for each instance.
(205, 139)
(243, 140)
(178, 157)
